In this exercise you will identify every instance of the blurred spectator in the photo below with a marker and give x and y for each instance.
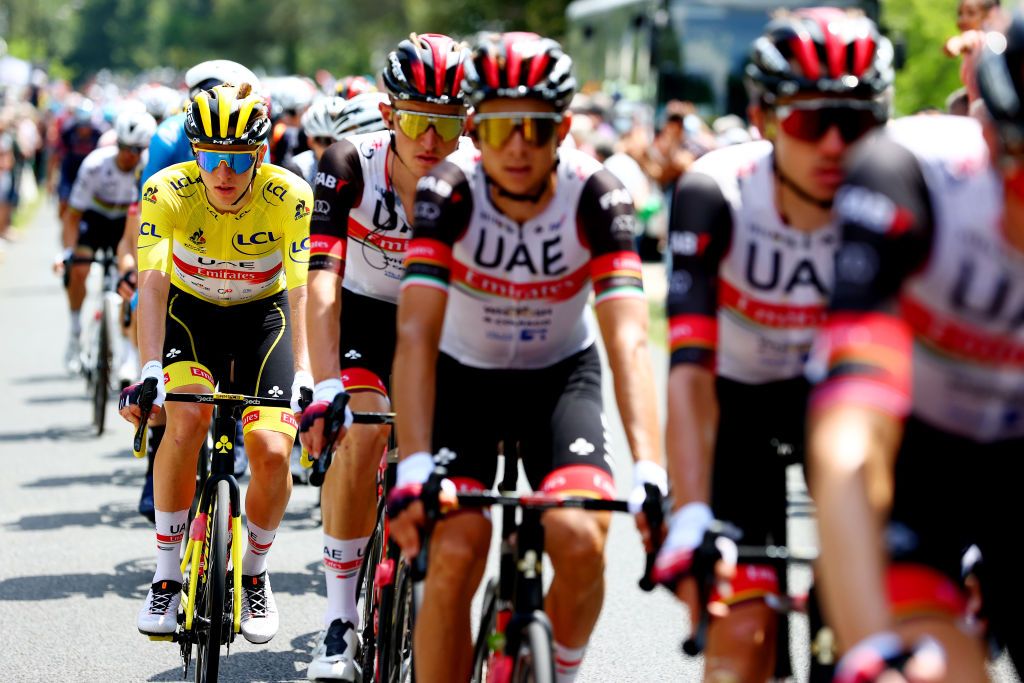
(7, 189)
(730, 130)
(957, 103)
(666, 159)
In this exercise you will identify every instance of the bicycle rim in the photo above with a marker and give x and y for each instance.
(481, 649)
(101, 379)
(212, 607)
(373, 625)
(401, 669)
(535, 662)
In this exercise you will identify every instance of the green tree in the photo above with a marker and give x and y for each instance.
(928, 75)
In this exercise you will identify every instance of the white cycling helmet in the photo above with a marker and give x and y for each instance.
(205, 75)
(161, 102)
(134, 128)
(362, 114)
(323, 118)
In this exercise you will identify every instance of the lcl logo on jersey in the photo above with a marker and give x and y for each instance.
(149, 230)
(179, 185)
(299, 251)
(259, 242)
(272, 190)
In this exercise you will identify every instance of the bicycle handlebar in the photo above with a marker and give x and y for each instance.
(334, 420)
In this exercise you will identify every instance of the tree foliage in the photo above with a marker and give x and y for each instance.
(302, 36)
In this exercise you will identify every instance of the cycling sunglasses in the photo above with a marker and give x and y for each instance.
(809, 120)
(134, 149)
(415, 123)
(496, 129)
(239, 162)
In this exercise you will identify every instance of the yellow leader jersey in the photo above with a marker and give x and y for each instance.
(226, 258)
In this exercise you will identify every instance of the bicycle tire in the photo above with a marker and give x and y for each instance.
(208, 655)
(488, 621)
(401, 668)
(101, 377)
(535, 661)
(373, 624)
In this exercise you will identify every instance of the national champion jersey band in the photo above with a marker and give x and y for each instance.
(224, 258)
(359, 228)
(518, 294)
(244, 349)
(746, 292)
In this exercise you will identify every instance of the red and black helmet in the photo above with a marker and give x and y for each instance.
(425, 68)
(821, 50)
(350, 86)
(519, 66)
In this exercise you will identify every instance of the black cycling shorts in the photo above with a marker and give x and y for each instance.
(244, 348)
(553, 413)
(952, 492)
(366, 348)
(96, 231)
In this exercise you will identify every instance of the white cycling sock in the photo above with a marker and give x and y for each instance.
(76, 322)
(341, 570)
(254, 561)
(567, 662)
(170, 529)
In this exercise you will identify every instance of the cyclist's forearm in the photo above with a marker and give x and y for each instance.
(323, 310)
(153, 288)
(850, 451)
(690, 432)
(129, 242)
(297, 306)
(72, 219)
(414, 375)
(624, 329)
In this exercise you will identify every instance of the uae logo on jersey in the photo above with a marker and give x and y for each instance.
(150, 195)
(197, 237)
(301, 209)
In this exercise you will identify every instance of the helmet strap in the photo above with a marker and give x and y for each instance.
(800, 192)
(252, 181)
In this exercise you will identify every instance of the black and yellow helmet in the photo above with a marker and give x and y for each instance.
(227, 115)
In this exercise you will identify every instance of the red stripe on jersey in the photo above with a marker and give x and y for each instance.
(561, 289)
(955, 339)
(361, 233)
(690, 330)
(327, 245)
(769, 314)
(256, 276)
(616, 264)
(426, 250)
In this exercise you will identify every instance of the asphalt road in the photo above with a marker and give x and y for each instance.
(76, 558)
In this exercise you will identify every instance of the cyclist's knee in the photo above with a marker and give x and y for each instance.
(741, 645)
(575, 542)
(268, 450)
(185, 419)
(458, 556)
(364, 445)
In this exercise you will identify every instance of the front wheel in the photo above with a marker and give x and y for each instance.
(400, 661)
(534, 661)
(101, 378)
(211, 630)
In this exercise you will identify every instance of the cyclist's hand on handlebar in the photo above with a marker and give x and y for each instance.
(127, 284)
(62, 261)
(128, 405)
(303, 380)
(646, 472)
(686, 532)
(311, 426)
(882, 658)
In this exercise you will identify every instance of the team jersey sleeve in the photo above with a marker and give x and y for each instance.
(607, 225)
(884, 210)
(700, 231)
(296, 230)
(156, 228)
(442, 211)
(337, 190)
(85, 185)
(162, 147)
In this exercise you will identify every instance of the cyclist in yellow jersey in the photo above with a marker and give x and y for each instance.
(223, 246)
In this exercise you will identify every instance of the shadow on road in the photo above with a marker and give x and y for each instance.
(306, 582)
(51, 434)
(42, 379)
(259, 665)
(121, 477)
(58, 398)
(128, 580)
(122, 516)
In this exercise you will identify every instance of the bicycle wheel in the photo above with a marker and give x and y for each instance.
(101, 377)
(488, 621)
(400, 661)
(535, 662)
(373, 624)
(211, 631)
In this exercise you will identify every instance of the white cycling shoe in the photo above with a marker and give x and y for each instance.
(259, 610)
(159, 616)
(334, 658)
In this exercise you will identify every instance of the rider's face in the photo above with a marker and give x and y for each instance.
(515, 163)
(423, 152)
(224, 186)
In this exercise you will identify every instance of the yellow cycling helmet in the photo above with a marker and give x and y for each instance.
(227, 115)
